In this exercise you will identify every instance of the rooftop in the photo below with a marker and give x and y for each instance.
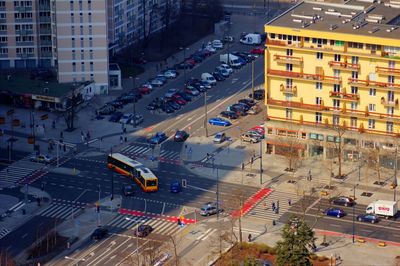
(22, 84)
(357, 17)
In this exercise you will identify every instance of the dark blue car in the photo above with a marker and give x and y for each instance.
(336, 212)
(175, 187)
(369, 218)
(158, 138)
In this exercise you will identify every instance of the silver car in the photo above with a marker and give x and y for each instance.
(210, 208)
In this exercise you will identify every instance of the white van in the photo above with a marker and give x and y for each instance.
(230, 59)
(207, 77)
(251, 38)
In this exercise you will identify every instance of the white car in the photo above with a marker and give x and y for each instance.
(227, 67)
(156, 82)
(219, 137)
(210, 49)
(170, 74)
(217, 44)
(125, 118)
(137, 121)
(147, 85)
(170, 93)
(42, 158)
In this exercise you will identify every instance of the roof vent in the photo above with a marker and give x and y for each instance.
(317, 8)
(376, 16)
(359, 25)
(374, 29)
(372, 20)
(298, 20)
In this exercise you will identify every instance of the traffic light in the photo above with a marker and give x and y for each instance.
(184, 182)
(97, 207)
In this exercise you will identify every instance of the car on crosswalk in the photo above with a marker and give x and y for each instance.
(143, 230)
(128, 191)
(99, 233)
(42, 158)
(157, 138)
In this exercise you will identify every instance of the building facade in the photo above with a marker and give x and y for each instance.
(332, 76)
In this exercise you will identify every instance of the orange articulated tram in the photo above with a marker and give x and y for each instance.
(133, 169)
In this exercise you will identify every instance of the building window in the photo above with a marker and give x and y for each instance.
(336, 73)
(289, 83)
(371, 123)
(353, 122)
(289, 52)
(372, 92)
(390, 79)
(371, 107)
(391, 64)
(318, 117)
(336, 87)
(336, 103)
(289, 67)
(354, 60)
(336, 120)
(74, 67)
(354, 74)
(354, 90)
(318, 85)
(337, 57)
(318, 100)
(390, 96)
(320, 55)
(353, 106)
(389, 127)
(289, 113)
(390, 111)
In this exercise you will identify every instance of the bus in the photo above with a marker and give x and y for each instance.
(133, 169)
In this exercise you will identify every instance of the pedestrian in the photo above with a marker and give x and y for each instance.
(289, 202)
(273, 206)
(61, 135)
(124, 130)
(126, 139)
(309, 175)
(249, 237)
(121, 139)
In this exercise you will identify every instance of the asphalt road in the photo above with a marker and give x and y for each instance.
(385, 229)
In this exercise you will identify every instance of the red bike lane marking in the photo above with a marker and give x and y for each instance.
(172, 219)
(251, 202)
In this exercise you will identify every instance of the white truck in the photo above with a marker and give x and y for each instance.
(251, 38)
(230, 59)
(385, 208)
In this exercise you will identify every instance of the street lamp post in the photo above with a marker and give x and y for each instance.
(261, 168)
(252, 79)
(134, 100)
(205, 113)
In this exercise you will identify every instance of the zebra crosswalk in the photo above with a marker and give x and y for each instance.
(263, 210)
(18, 170)
(136, 150)
(61, 211)
(4, 232)
(128, 222)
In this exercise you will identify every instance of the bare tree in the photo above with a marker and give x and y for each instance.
(6, 259)
(338, 144)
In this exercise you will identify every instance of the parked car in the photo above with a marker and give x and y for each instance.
(210, 208)
(125, 118)
(260, 129)
(143, 230)
(116, 104)
(115, 117)
(152, 106)
(229, 115)
(170, 74)
(136, 120)
(99, 233)
(255, 133)
(369, 218)
(242, 105)
(144, 90)
(184, 65)
(218, 76)
(180, 136)
(225, 73)
(249, 102)
(128, 190)
(158, 138)
(250, 138)
(175, 187)
(156, 82)
(258, 51)
(162, 78)
(343, 201)
(178, 99)
(227, 67)
(187, 97)
(254, 110)
(173, 104)
(170, 93)
(41, 158)
(217, 121)
(217, 44)
(258, 94)
(336, 212)
(210, 49)
(167, 108)
(237, 109)
(192, 91)
(106, 110)
(219, 137)
(207, 77)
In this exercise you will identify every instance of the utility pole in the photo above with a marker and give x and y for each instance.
(252, 79)
(205, 113)
(395, 176)
(98, 213)
(261, 168)
(134, 100)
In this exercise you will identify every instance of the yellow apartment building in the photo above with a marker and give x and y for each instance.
(332, 75)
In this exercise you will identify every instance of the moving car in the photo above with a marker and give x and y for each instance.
(180, 135)
(219, 137)
(343, 201)
(227, 67)
(175, 187)
(143, 230)
(99, 233)
(125, 118)
(41, 158)
(210, 208)
(157, 138)
(217, 121)
(128, 190)
(229, 115)
(336, 212)
(369, 218)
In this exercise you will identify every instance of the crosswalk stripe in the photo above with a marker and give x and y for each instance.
(125, 223)
(57, 211)
(172, 227)
(49, 210)
(115, 220)
(157, 225)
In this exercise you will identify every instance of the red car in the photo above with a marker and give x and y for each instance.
(259, 129)
(178, 99)
(258, 51)
(191, 61)
(144, 90)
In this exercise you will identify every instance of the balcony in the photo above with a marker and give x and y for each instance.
(344, 96)
(303, 76)
(283, 43)
(371, 83)
(389, 103)
(344, 66)
(286, 59)
(288, 89)
(388, 71)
